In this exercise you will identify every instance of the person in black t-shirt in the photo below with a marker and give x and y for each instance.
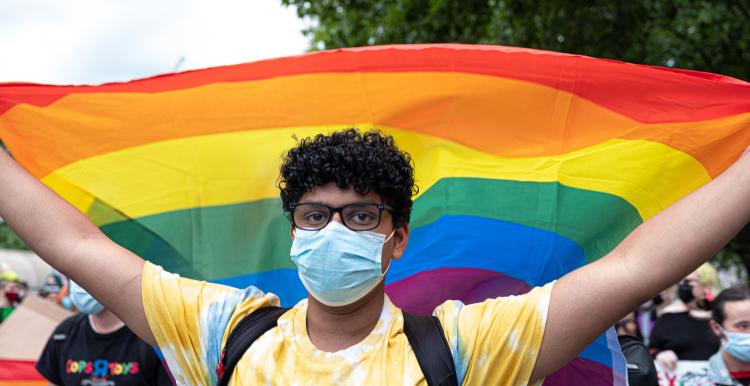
(95, 348)
(687, 335)
(730, 321)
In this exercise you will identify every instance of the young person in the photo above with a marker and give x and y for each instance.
(348, 332)
(94, 347)
(730, 321)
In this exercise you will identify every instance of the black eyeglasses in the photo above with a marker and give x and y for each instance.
(362, 216)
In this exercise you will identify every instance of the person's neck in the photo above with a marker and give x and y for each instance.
(336, 328)
(733, 364)
(674, 306)
(105, 322)
(699, 313)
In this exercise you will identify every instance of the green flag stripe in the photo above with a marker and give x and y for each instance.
(229, 240)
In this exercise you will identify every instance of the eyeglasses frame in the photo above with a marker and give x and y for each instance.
(381, 208)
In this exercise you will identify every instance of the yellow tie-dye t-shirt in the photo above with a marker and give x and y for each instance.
(495, 342)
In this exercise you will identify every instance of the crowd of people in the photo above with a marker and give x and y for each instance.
(13, 290)
(694, 320)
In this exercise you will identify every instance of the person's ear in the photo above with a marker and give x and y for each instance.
(400, 238)
(716, 329)
(291, 232)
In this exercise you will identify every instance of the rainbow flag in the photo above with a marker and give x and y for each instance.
(530, 163)
(20, 373)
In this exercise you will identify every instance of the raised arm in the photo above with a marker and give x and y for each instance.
(66, 239)
(657, 254)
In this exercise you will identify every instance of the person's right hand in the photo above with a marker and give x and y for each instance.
(667, 359)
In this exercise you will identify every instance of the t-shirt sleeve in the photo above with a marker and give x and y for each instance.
(189, 319)
(496, 342)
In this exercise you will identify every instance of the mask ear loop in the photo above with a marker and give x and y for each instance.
(389, 237)
(391, 259)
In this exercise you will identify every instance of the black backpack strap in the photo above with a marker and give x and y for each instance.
(427, 339)
(641, 369)
(247, 331)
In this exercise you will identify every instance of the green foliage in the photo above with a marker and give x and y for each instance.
(9, 239)
(693, 34)
(726, 258)
(736, 253)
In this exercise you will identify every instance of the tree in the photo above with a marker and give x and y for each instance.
(694, 34)
(699, 35)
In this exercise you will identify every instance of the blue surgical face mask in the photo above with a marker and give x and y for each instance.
(737, 345)
(83, 301)
(337, 265)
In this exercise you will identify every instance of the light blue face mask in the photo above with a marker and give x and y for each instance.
(83, 301)
(737, 345)
(337, 265)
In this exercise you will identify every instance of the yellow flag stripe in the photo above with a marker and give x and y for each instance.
(240, 167)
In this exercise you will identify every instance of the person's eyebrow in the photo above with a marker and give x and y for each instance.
(349, 203)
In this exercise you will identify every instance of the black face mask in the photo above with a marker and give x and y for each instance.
(685, 292)
(658, 300)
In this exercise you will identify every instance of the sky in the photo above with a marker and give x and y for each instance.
(100, 41)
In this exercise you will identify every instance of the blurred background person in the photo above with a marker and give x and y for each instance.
(12, 292)
(52, 285)
(687, 335)
(641, 369)
(627, 326)
(730, 321)
(95, 347)
(647, 313)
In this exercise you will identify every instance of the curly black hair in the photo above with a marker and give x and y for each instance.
(365, 161)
